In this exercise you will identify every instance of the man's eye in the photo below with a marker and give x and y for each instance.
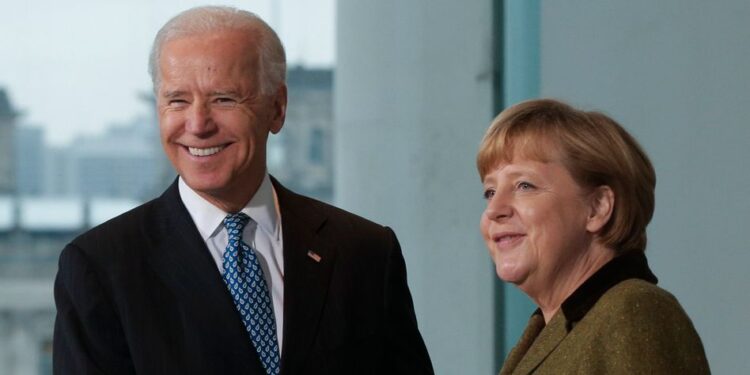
(223, 101)
(488, 194)
(177, 102)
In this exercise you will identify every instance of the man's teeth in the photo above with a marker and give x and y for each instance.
(204, 151)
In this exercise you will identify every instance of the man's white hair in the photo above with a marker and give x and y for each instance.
(207, 19)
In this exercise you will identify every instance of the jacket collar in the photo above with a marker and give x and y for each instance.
(209, 219)
(630, 265)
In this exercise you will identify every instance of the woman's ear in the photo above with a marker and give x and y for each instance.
(602, 201)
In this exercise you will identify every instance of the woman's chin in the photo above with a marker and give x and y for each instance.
(510, 273)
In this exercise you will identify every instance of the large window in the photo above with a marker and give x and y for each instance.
(79, 138)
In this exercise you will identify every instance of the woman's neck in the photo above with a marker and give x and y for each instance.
(566, 282)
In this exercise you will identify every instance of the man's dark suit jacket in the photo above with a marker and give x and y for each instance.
(141, 294)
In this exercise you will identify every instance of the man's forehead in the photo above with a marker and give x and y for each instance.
(209, 52)
(237, 38)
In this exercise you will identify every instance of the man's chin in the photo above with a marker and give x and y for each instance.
(205, 184)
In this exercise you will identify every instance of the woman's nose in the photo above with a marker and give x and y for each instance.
(498, 208)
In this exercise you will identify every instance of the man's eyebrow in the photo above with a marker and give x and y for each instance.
(224, 93)
(173, 93)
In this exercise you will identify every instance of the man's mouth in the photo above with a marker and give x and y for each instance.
(195, 151)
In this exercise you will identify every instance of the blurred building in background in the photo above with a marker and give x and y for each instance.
(301, 156)
(33, 231)
(124, 162)
(30, 160)
(8, 116)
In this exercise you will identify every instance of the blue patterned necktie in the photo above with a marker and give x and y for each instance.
(244, 278)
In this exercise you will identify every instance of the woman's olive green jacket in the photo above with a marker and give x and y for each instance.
(617, 322)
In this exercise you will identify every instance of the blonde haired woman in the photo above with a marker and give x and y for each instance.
(569, 195)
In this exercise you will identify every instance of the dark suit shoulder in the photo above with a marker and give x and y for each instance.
(333, 219)
(320, 215)
(347, 218)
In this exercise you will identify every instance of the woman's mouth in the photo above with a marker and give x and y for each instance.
(507, 239)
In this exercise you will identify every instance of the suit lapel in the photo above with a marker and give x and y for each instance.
(545, 343)
(306, 276)
(182, 260)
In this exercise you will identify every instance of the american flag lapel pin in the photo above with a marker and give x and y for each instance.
(314, 256)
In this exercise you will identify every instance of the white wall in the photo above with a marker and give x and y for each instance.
(676, 74)
(413, 96)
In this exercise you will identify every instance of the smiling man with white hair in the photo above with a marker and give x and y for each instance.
(228, 272)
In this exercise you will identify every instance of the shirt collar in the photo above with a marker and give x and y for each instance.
(262, 208)
(631, 265)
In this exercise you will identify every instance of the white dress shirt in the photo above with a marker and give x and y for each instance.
(262, 233)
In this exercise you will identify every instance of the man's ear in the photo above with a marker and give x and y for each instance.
(279, 105)
(602, 203)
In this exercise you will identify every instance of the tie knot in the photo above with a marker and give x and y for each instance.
(235, 223)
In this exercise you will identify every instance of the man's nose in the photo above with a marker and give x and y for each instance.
(199, 120)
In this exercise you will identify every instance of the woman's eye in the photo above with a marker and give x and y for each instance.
(489, 193)
(525, 186)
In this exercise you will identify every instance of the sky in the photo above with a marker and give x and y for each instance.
(75, 67)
